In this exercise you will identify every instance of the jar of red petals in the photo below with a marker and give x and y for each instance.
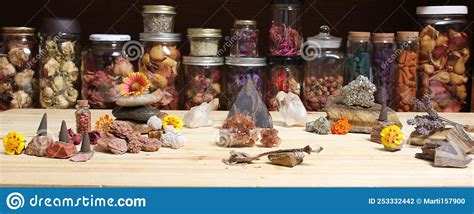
(203, 78)
(286, 31)
(244, 39)
(285, 74)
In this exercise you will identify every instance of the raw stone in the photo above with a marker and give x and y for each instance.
(172, 138)
(291, 109)
(61, 150)
(418, 139)
(444, 154)
(155, 123)
(462, 138)
(319, 126)
(140, 114)
(138, 127)
(359, 92)
(134, 101)
(288, 159)
(270, 137)
(238, 131)
(199, 116)
(38, 145)
(113, 144)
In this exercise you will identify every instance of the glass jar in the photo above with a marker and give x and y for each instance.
(383, 67)
(238, 71)
(103, 67)
(158, 18)
(244, 39)
(160, 63)
(286, 31)
(83, 117)
(284, 75)
(18, 68)
(444, 67)
(204, 41)
(407, 62)
(324, 71)
(203, 79)
(60, 61)
(358, 51)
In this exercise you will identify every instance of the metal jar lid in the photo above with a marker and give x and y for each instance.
(245, 61)
(165, 9)
(210, 61)
(109, 37)
(160, 37)
(204, 32)
(245, 22)
(23, 31)
(442, 10)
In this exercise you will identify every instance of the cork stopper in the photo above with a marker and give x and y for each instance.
(357, 35)
(383, 37)
(407, 35)
(82, 103)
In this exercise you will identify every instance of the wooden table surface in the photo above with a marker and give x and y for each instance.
(346, 161)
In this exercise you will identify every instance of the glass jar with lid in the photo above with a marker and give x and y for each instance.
(358, 54)
(324, 70)
(239, 70)
(160, 63)
(284, 75)
(203, 77)
(244, 39)
(286, 31)
(18, 68)
(158, 18)
(444, 67)
(60, 62)
(204, 41)
(104, 65)
(406, 74)
(383, 67)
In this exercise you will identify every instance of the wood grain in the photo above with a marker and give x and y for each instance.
(346, 161)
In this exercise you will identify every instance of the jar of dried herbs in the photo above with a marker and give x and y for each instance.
(286, 31)
(406, 75)
(203, 77)
(18, 68)
(238, 71)
(204, 41)
(359, 50)
(160, 63)
(244, 39)
(158, 18)
(383, 67)
(104, 64)
(285, 74)
(60, 61)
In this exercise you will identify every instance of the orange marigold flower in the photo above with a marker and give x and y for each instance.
(341, 126)
(103, 123)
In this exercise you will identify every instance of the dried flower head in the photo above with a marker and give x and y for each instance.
(341, 127)
(103, 123)
(14, 143)
(426, 124)
(134, 85)
(392, 137)
(175, 121)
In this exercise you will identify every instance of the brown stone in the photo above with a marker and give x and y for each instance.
(113, 144)
(38, 146)
(270, 137)
(418, 139)
(141, 128)
(155, 134)
(288, 159)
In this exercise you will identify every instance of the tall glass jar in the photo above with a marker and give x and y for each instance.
(204, 41)
(383, 67)
(286, 31)
(238, 71)
(203, 77)
(103, 67)
(158, 18)
(444, 67)
(407, 62)
(324, 71)
(359, 49)
(244, 39)
(284, 75)
(18, 68)
(160, 63)
(60, 61)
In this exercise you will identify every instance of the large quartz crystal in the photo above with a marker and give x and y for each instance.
(291, 109)
(199, 116)
(359, 92)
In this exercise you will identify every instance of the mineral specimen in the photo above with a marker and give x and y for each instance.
(199, 116)
(288, 159)
(359, 92)
(173, 138)
(40, 142)
(319, 126)
(444, 154)
(155, 123)
(291, 109)
(270, 137)
(64, 148)
(238, 131)
(149, 144)
(462, 138)
(113, 144)
(122, 130)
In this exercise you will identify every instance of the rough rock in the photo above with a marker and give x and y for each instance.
(199, 116)
(138, 127)
(288, 159)
(291, 109)
(134, 101)
(319, 126)
(38, 146)
(155, 123)
(359, 92)
(60, 150)
(172, 138)
(141, 114)
(270, 137)
(113, 144)
(238, 131)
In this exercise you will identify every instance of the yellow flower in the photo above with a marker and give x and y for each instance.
(14, 143)
(134, 85)
(174, 121)
(103, 124)
(392, 137)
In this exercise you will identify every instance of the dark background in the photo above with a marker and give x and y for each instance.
(123, 16)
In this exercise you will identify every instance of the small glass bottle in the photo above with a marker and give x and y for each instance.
(244, 39)
(158, 18)
(358, 56)
(204, 41)
(383, 69)
(286, 31)
(406, 79)
(284, 75)
(83, 116)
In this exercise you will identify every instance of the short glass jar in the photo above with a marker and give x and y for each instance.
(286, 31)
(60, 50)
(238, 71)
(18, 68)
(359, 50)
(406, 75)
(203, 78)
(444, 67)
(383, 67)
(160, 63)
(158, 18)
(104, 64)
(284, 75)
(244, 39)
(204, 41)
(324, 71)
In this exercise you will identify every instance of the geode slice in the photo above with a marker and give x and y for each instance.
(359, 92)
(288, 159)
